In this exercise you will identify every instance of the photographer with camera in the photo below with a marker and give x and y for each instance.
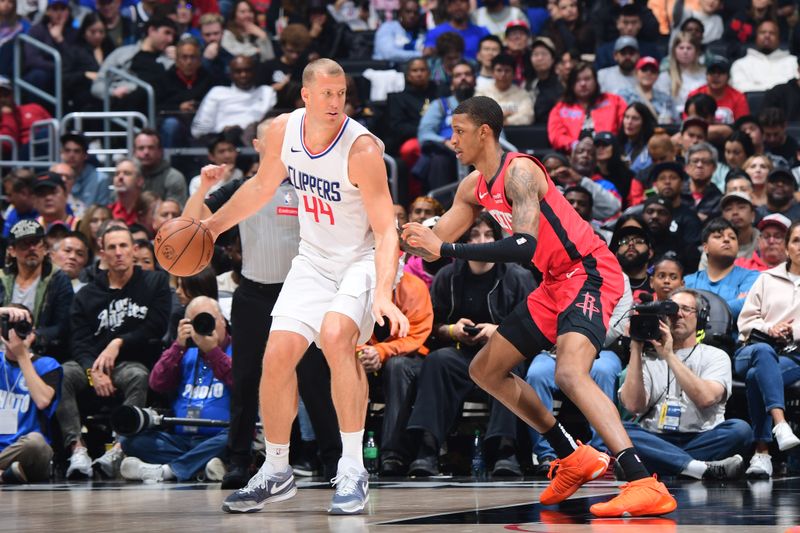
(769, 327)
(31, 279)
(678, 394)
(470, 299)
(29, 393)
(116, 322)
(196, 371)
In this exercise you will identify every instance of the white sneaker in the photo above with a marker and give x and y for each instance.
(784, 436)
(134, 469)
(80, 464)
(108, 463)
(760, 466)
(215, 469)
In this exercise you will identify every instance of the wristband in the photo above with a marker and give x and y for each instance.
(450, 331)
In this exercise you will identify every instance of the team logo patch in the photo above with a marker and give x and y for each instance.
(168, 252)
(587, 306)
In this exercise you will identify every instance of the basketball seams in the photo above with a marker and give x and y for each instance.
(164, 246)
(186, 246)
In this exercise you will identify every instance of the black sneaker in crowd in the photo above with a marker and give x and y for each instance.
(507, 467)
(424, 467)
(235, 478)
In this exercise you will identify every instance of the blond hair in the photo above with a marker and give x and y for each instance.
(322, 65)
(675, 73)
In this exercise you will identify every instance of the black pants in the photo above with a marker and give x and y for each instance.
(442, 386)
(250, 314)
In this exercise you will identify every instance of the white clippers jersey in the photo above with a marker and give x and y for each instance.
(333, 220)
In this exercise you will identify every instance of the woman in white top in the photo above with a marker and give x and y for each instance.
(243, 37)
(685, 72)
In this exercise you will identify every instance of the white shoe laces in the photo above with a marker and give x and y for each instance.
(346, 483)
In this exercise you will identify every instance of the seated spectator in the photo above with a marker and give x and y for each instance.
(236, 109)
(667, 234)
(667, 276)
(113, 322)
(463, 325)
(610, 165)
(457, 21)
(489, 47)
(128, 183)
(146, 59)
(771, 309)
(90, 224)
(243, 37)
(628, 23)
(741, 27)
(120, 30)
(620, 76)
(402, 39)
(785, 96)
(185, 84)
(215, 58)
(582, 100)
(738, 147)
(631, 244)
(514, 101)
(31, 280)
(71, 255)
(638, 126)
(90, 187)
(18, 188)
(278, 72)
(543, 86)
(758, 168)
(399, 361)
(197, 376)
(580, 198)
(423, 208)
(518, 35)
(781, 188)
(580, 170)
(777, 141)
(164, 211)
(661, 150)
(659, 103)
(12, 23)
(693, 130)
(494, 16)
(679, 395)
(55, 30)
(187, 288)
(74, 205)
(33, 383)
(16, 120)
(569, 29)
(140, 12)
(704, 107)
(685, 73)
(766, 65)
(51, 194)
(221, 151)
(82, 61)
(698, 191)
(437, 165)
(159, 176)
(449, 53)
(739, 181)
(731, 104)
(770, 252)
(738, 209)
(707, 13)
(722, 277)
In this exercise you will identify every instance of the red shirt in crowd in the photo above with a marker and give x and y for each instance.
(566, 121)
(732, 105)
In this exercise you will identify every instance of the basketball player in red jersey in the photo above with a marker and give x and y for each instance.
(582, 282)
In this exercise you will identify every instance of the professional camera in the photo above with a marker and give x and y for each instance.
(129, 419)
(22, 327)
(203, 324)
(644, 325)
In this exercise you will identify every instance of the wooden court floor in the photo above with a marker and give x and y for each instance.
(403, 506)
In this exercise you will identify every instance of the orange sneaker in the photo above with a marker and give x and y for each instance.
(582, 465)
(643, 497)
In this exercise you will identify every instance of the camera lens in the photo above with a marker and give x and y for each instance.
(23, 328)
(204, 324)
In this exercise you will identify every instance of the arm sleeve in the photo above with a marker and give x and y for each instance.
(60, 299)
(218, 198)
(166, 374)
(81, 333)
(204, 118)
(746, 283)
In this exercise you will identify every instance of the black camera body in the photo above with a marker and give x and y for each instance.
(203, 324)
(645, 324)
(22, 327)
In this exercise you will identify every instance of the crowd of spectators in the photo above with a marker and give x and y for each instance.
(670, 130)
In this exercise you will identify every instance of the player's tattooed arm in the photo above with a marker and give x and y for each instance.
(522, 189)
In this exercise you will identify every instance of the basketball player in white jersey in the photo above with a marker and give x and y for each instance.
(339, 284)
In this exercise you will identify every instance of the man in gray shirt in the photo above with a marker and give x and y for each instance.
(679, 395)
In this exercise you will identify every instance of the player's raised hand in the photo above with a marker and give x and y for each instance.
(210, 175)
(384, 307)
(421, 241)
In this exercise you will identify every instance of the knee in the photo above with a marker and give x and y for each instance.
(762, 352)
(37, 444)
(742, 432)
(568, 379)
(337, 340)
(481, 373)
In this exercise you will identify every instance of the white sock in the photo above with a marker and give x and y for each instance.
(695, 469)
(167, 473)
(277, 456)
(351, 446)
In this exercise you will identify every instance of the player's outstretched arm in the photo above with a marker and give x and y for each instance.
(259, 189)
(368, 173)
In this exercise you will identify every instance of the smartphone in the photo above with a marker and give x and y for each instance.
(471, 330)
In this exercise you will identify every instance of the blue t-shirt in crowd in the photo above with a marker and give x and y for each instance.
(733, 288)
(202, 393)
(15, 396)
(472, 36)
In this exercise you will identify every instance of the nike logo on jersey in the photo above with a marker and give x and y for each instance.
(294, 150)
(481, 195)
(570, 274)
(278, 488)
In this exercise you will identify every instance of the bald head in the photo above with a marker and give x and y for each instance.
(324, 66)
(203, 304)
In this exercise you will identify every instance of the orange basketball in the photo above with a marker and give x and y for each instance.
(183, 246)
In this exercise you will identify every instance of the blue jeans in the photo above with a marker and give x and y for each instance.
(670, 453)
(174, 133)
(542, 377)
(765, 374)
(185, 454)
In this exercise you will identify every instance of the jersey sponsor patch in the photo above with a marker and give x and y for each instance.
(287, 211)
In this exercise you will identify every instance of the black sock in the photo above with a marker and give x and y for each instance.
(561, 441)
(631, 465)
